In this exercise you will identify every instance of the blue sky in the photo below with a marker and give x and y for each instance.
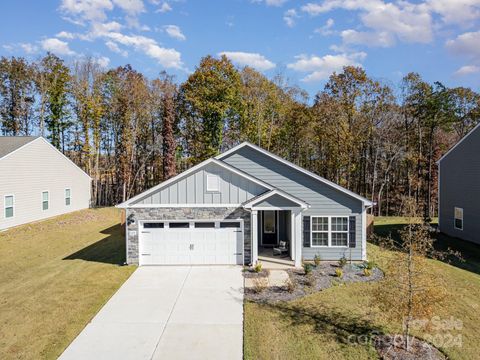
(303, 40)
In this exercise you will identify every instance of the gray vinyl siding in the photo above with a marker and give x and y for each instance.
(38, 167)
(460, 187)
(192, 189)
(322, 198)
(276, 201)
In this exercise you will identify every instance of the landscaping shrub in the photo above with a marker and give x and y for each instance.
(260, 284)
(258, 267)
(370, 265)
(290, 285)
(367, 272)
(342, 262)
(316, 260)
(307, 267)
(338, 272)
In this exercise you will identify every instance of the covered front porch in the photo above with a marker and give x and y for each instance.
(276, 228)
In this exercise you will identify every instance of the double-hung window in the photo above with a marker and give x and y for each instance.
(68, 197)
(329, 231)
(339, 231)
(458, 223)
(9, 204)
(45, 200)
(319, 231)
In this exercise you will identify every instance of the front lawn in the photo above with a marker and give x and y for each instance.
(320, 326)
(54, 277)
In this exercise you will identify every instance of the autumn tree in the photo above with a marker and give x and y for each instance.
(168, 133)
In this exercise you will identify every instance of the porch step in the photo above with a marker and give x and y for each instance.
(266, 259)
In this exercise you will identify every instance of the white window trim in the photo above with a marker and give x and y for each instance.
(330, 231)
(312, 231)
(41, 202)
(5, 206)
(217, 178)
(455, 218)
(69, 197)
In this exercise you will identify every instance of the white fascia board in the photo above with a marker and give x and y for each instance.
(458, 143)
(127, 203)
(151, 206)
(365, 201)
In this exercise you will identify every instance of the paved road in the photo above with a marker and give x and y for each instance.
(168, 312)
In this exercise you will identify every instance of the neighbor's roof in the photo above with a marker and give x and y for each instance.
(9, 144)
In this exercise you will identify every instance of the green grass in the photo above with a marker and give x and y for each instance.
(54, 277)
(319, 326)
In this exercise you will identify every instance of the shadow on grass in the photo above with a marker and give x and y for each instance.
(347, 329)
(110, 250)
(469, 251)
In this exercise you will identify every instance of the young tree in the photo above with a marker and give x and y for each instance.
(410, 290)
(168, 133)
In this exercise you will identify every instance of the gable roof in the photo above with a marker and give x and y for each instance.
(458, 143)
(129, 202)
(9, 144)
(250, 203)
(365, 201)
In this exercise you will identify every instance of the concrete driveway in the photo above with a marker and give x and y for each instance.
(168, 312)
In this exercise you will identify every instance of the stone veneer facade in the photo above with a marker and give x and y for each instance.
(133, 215)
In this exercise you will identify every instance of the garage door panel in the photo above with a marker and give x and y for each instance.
(197, 246)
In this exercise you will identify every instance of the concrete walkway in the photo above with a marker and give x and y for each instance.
(168, 312)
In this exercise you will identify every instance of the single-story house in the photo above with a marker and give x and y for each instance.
(241, 204)
(459, 189)
(37, 181)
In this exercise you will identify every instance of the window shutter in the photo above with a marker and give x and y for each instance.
(352, 232)
(306, 231)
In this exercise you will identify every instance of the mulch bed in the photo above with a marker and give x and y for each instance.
(390, 347)
(250, 274)
(322, 277)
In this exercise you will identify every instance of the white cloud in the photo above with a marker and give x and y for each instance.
(462, 12)
(65, 35)
(29, 48)
(320, 68)
(381, 39)
(165, 7)
(86, 9)
(467, 44)
(169, 58)
(56, 46)
(467, 70)
(271, 2)
(401, 20)
(131, 7)
(102, 61)
(174, 32)
(326, 29)
(115, 48)
(289, 17)
(253, 60)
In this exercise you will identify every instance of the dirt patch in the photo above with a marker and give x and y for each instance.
(391, 347)
(321, 277)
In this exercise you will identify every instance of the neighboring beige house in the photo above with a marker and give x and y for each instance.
(37, 181)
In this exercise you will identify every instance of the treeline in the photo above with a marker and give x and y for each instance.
(130, 132)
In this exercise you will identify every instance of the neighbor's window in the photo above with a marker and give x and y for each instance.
(319, 231)
(339, 231)
(67, 196)
(45, 200)
(8, 206)
(458, 218)
(212, 183)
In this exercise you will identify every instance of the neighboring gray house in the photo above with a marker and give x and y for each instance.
(37, 181)
(459, 189)
(241, 205)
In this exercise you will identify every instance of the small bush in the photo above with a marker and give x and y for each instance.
(310, 280)
(367, 272)
(290, 285)
(316, 260)
(339, 273)
(260, 284)
(370, 265)
(307, 267)
(342, 262)
(258, 267)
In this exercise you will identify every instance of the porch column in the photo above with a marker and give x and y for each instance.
(298, 243)
(254, 236)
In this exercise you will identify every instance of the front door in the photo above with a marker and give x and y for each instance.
(269, 227)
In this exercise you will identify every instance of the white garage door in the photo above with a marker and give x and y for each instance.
(191, 243)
